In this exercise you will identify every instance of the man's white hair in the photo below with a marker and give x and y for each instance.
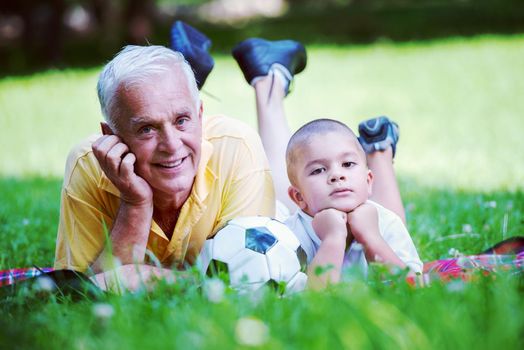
(136, 65)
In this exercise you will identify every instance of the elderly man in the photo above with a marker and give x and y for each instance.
(161, 178)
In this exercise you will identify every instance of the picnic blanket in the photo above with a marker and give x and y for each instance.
(507, 255)
(466, 267)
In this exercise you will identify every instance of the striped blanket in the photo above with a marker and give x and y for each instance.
(506, 256)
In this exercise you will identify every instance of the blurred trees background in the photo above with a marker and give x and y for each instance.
(39, 34)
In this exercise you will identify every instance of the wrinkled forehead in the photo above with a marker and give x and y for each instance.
(176, 77)
(159, 94)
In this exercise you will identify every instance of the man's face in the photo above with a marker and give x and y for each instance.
(331, 172)
(161, 123)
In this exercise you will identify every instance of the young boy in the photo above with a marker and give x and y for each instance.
(336, 223)
(328, 175)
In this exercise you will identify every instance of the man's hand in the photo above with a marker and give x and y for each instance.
(330, 223)
(132, 277)
(117, 162)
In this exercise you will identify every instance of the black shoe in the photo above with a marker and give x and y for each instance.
(377, 134)
(256, 56)
(194, 46)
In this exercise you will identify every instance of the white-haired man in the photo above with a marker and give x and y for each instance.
(161, 178)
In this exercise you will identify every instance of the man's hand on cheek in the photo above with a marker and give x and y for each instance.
(117, 162)
(363, 222)
(330, 223)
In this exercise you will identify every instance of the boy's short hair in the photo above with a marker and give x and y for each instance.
(308, 130)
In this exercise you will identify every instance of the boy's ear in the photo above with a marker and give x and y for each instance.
(296, 197)
(106, 129)
(369, 180)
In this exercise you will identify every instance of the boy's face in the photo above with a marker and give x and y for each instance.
(330, 172)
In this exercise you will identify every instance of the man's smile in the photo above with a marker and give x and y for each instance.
(172, 164)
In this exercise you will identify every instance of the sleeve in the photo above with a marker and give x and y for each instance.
(250, 190)
(398, 238)
(84, 223)
(306, 241)
(249, 196)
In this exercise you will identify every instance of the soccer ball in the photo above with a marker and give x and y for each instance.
(251, 252)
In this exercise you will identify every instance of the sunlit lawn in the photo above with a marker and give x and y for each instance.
(460, 163)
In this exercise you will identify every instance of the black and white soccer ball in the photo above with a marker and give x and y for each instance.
(251, 252)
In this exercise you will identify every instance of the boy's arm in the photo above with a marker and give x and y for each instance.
(330, 226)
(363, 223)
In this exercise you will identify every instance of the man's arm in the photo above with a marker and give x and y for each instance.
(330, 226)
(363, 223)
(128, 238)
(89, 216)
(132, 224)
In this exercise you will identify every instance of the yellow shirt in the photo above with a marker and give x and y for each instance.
(233, 179)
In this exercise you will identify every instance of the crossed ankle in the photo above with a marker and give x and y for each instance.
(381, 153)
(378, 134)
(278, 74)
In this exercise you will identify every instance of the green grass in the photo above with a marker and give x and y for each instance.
(459, 163)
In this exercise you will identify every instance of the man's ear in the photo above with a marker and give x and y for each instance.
(106, 129)
(296, 197)
(369, 180)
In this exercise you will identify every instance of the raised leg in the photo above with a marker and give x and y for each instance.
(274, 131)
(269, 66)
(385, 186)
(379, 137)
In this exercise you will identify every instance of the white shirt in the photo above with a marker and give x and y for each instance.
(390, 226)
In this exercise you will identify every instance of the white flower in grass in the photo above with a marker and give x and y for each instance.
(25, 221)
(490, 204)
(256, 296)
(454, 252)
(45, 284)
(251, 331)
(195, 340)
(456, 286)
(467, 228)
(103, 311)
(81, 344)
(214, 290)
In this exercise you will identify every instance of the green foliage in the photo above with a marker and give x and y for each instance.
(359, 315)
(461, 173)
(28, 221)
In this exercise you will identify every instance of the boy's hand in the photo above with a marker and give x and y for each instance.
(330, 223)
(363, 223)
(330, 226)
